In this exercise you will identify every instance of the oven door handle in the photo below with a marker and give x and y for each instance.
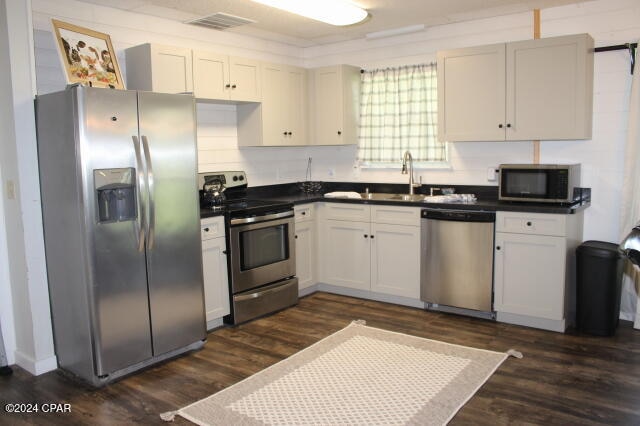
(258, 219)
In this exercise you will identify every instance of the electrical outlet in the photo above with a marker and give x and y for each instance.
(492, 174)
(11, 190)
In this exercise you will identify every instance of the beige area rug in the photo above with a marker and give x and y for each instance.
(360, 376)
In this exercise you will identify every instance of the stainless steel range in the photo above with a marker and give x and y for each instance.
(260, 246)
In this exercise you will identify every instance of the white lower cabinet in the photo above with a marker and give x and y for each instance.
(395, 260)
(371, 251)
(214, 268)
(305, 238)
(530, 275)
(346, 254)
(534, 268)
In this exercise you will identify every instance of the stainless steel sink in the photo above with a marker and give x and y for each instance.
(392, 197)
(408, 197)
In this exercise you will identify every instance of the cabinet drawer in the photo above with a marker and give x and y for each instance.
(395, 215)
(212, 227)
(345, 211)
(303, 212)
(531, 223)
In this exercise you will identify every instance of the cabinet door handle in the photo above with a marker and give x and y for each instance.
(366, 236)
(304, 213)
(233, 86)
(206, 229)
(497, 247)
(227, 86)
(225, 252)
(508, 124)
(528, 223)
(284, 133)
(295, 236)
(289, 133)
(372, 237)
(500, 126)
(339, 132)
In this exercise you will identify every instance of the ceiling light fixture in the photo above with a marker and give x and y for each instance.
(334, 12)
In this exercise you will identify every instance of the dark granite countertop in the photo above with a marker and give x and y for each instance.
(487, 198)
(482, 205)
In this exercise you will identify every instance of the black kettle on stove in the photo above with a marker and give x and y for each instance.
(212, 194)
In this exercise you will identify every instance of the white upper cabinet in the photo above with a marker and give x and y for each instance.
(335, 105)
(244, 80)
(221, 77)
(471, 93)
(550, 88)
(158, 68)
(281, 119)
(528, 90)
(209, 76)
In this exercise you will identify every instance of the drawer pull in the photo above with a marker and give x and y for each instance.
(304, 213)
(497, 247)
(206, 229)
(528, 223)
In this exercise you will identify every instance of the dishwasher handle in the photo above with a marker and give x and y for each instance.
(459, 215)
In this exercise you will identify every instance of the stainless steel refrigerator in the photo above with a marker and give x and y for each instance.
(120, 207)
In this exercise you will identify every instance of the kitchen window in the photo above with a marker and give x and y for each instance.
(399, 112)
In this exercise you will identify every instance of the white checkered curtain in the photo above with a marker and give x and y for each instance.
(399, 112)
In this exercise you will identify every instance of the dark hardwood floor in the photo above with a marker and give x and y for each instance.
(564, 379)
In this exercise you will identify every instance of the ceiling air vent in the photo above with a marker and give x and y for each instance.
(220, 21)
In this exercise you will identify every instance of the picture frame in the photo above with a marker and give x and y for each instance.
(87, 56)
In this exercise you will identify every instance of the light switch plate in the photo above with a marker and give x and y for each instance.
(11, 190)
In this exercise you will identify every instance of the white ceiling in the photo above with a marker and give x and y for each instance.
(273, 24)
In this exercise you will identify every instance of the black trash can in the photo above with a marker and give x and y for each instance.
(599, 282)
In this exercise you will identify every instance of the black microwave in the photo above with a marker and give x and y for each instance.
(546, 183)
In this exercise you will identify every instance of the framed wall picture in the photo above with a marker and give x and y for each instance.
(87, 56)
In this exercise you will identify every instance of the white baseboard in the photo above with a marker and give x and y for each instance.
(307, 290)
(371, 295)
(36, 367)
(214, 323)
(543, 323)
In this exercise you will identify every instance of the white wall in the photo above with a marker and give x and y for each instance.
(32, 337)
(7, 138)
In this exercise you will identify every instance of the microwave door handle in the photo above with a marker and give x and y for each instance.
(151, 222)
(140, 222)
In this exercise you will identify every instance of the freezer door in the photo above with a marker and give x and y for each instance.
(108, 120)
(174, 254)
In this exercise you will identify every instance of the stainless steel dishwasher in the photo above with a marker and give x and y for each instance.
(457, 258)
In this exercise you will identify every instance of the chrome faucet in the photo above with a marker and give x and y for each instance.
(407, 157)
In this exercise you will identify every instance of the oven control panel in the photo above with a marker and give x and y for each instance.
(228, 179)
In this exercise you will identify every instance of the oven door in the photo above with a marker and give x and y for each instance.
(262, 251)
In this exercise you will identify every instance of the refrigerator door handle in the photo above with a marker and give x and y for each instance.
(151, 223)
(140, 223)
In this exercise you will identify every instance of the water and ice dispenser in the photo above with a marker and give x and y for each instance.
(115, 194)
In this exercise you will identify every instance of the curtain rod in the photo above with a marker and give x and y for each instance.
(631, 47)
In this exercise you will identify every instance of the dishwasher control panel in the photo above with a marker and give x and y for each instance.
(458, 215)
